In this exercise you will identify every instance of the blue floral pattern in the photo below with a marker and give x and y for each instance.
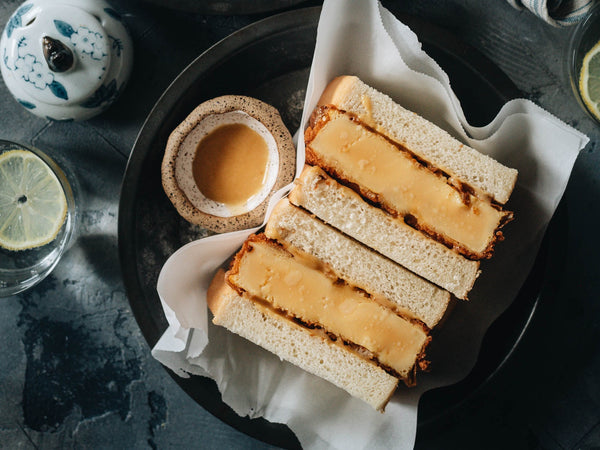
(95, 48)
(83, 39)
(26, 104)
(27, 67)
(24, 66)
(16, 19)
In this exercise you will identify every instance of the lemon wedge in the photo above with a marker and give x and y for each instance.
(33, 205)
(589, 80)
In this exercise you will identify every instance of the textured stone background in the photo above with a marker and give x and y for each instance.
(75, 371)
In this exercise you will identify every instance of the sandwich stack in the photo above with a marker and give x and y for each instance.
(387, 222)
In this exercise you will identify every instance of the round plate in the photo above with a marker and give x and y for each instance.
(270, 60)
(227, 6)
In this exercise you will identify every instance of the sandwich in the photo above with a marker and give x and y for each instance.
(409, 294)
(294, 305)
(429, 143)
(344, 209)
(387, 222)
(310, 349)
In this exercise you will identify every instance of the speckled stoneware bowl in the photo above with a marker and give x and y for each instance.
(180, 150)
(65, 59)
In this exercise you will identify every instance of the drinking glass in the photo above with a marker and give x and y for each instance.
(22, 269)
(585, 36)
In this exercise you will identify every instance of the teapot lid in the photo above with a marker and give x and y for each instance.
(60, 61)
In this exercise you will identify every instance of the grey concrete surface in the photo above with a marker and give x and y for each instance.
(75, 370)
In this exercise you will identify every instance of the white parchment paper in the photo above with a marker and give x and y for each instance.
(360, 37)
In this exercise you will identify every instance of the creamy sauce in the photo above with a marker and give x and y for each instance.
(230, 164)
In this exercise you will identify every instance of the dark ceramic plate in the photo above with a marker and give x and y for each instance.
(270, 60)
(228, 6)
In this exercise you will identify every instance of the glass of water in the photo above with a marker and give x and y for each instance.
(37, 216)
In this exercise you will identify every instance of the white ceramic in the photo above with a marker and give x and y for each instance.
(98, 42)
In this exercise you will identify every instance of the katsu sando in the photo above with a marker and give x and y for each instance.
(389, 219)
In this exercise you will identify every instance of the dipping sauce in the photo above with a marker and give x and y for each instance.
(227, 164)
(224, 162)
(230, 164)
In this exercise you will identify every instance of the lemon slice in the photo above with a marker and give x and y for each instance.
(589, 80)
(33, 206)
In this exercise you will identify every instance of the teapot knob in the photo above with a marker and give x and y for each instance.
(58, 56)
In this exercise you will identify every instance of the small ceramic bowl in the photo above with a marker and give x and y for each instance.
(65, 59)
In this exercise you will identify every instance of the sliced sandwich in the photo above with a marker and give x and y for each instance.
(405, 292)
(344, 209)
(429, 143)
(389, 218)
(310, 349)
(297, 288)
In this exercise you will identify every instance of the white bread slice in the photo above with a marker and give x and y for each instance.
(344, 209)
(426, 140)
(357, 264)
(298, 345)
